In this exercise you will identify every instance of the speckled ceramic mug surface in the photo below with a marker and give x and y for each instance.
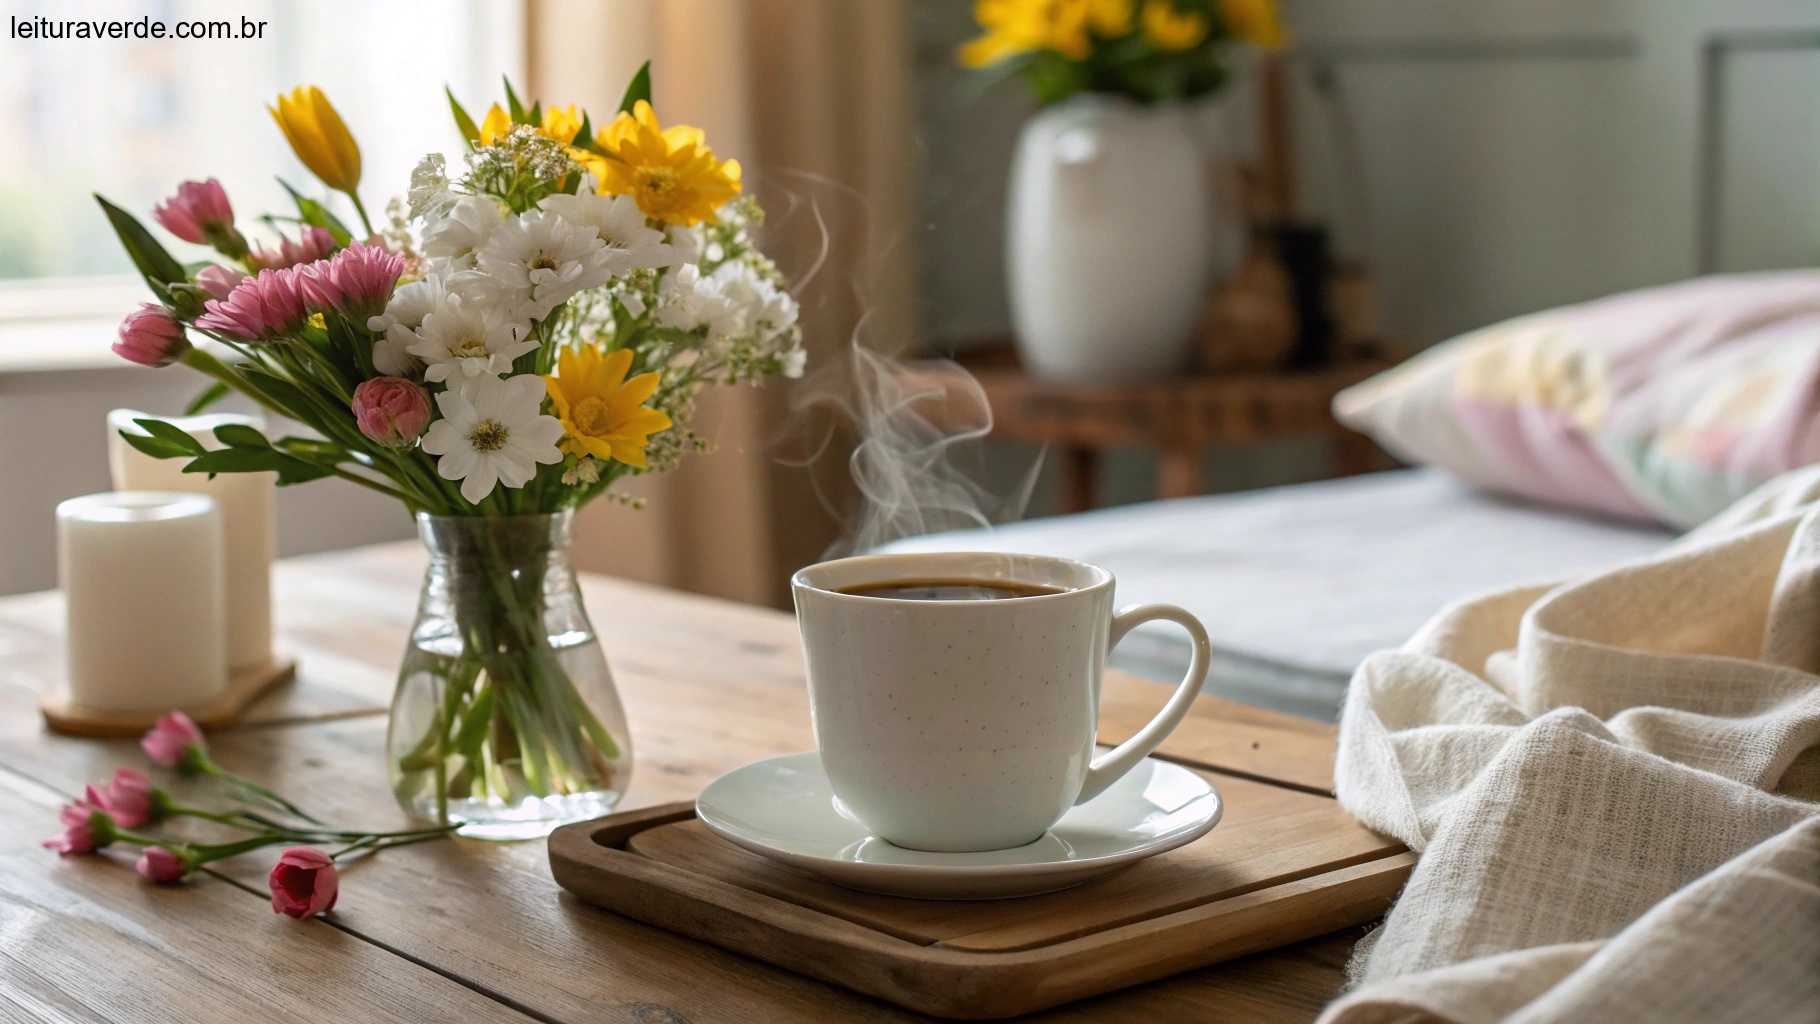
(969, 725)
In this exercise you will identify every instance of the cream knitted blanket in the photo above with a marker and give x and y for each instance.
(1610, 782)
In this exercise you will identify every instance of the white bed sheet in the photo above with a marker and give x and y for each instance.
(1308, 579)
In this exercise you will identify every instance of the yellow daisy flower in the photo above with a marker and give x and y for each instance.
(559, 123)
(671, 172)
(1254, 21)
(1172, 30)
(602, 412)
(495, 125)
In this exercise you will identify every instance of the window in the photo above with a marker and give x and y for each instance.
(130, 118)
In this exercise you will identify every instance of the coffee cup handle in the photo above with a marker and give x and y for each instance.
(1106, 770)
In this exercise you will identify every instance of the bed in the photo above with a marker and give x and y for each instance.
(1297, 584)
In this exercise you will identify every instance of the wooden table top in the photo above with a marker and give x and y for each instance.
(467, 930)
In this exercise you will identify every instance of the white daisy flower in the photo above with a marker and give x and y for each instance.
(403, 315)
(543, 259)
(454, 240)
(631, 243)
(470, 339)
(492, 430)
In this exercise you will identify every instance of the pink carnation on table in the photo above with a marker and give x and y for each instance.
(162, 865)
(264, 306)
(198, 213)
(392, 411)
(303, 883)
(127, 798)
(356, 281)
(312, 244)
(85, 829)
(151, 336)
(219, 281)
(170, 740)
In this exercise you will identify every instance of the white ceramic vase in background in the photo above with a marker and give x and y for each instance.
(1115, 235)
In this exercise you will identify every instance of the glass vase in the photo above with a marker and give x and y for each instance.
(505, 718)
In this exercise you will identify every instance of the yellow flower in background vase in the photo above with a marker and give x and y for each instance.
(1172, 30)
(318, 137)
(1110, 19)
(1254, 21)
(671, 172)
(603, 413)
(1019, 26)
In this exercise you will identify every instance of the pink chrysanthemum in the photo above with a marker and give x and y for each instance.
(312, 244)
(265, 306)
(357, 281)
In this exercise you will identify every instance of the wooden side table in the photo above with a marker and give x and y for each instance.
(1178, 418)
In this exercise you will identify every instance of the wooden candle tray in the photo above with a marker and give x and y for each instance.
(244, 687)
(1283, 865)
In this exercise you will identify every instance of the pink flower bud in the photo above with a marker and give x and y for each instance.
(151, 336)
(128, 798)
(266, 306)
(162, 865)
(198, 213)
(392, 411)
(219, 281)
(312, 244)
(303, 883)
(174, 740)
(85, 829)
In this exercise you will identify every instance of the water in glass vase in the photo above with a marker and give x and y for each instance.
(505, 717)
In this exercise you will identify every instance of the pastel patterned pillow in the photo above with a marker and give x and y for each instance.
(1664, 404)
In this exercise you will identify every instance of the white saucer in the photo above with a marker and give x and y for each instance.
(783, 808)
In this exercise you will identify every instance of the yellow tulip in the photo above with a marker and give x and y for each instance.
(318, 137)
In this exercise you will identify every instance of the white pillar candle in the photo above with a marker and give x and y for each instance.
(249, 517)
(143, 582)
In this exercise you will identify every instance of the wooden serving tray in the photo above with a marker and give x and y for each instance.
(1283, 865)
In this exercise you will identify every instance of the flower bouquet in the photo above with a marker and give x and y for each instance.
(1149, 50)
(524, 330)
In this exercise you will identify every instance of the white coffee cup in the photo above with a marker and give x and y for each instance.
(966, 725)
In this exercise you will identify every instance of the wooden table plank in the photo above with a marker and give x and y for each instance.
(88, 940)
(708, 686)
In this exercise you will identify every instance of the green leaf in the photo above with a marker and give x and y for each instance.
(639, 88)
(210, 395)
(463, 123)
(239, 435)
(235, 460)
(316, 215)
(296, 471)
(513, 107)
(168, 432)
(159, 267)
(278, 394)
(536, 114)
(157, 448)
